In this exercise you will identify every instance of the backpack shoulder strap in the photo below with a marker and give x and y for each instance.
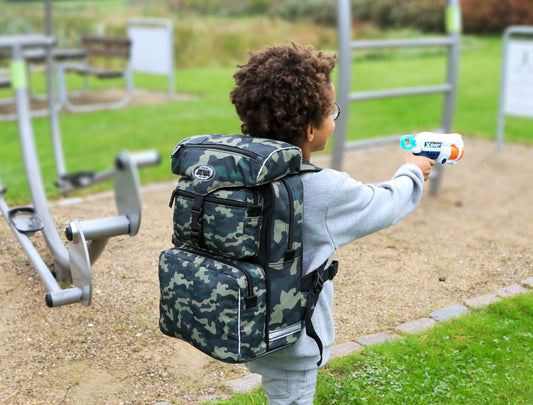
(306, 166)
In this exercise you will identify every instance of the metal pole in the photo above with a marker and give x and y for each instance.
(501, 114)
(31, 162)
(343, 81)
(50, 88)
(453, 27)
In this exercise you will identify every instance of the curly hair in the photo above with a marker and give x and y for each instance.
(282, 90)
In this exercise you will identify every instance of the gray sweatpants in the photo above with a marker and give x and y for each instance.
(291, 387)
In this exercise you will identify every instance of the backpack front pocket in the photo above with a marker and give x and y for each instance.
(225, 221)
(218, 306)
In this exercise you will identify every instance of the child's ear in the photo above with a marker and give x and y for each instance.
(309, 134)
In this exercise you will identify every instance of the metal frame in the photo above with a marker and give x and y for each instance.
(507, 35)
(163, 63)
(62, 71)
(344, 96)
(87, 239)
(5, 84)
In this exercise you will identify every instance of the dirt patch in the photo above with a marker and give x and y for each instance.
(39, 105)
(472, 239)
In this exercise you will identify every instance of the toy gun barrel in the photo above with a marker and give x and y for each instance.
(443, 148)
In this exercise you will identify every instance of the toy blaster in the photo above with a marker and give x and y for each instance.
(443, 148)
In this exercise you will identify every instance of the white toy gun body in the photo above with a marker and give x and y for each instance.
(443, 148)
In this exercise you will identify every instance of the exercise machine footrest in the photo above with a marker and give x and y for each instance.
(25, 220)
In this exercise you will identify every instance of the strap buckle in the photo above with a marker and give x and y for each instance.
(196, 217)
(318, 282)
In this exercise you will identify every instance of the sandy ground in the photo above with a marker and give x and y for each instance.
(472, 239)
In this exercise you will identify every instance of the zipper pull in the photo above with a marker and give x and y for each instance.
(173, 197)
(176, 149)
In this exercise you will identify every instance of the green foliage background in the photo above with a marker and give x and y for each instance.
(207, 49)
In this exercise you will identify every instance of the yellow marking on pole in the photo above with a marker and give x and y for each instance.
(18, 74)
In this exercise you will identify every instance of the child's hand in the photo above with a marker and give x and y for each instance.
(425, 164)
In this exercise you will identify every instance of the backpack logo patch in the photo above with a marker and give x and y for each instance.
(203, 173)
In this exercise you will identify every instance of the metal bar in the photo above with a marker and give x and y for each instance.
(48, 17)
(343, 84)
(453, 26)
(38, 263)
(400, 43)
(102, 228)
(56, 296)
(52, 114)
(367, 143)
(502, 101)
(65, 297)
(409, 91)
(31, 161)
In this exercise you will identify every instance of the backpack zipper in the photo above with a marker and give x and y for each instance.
(226, 148)
(290, 236)
(209, 198)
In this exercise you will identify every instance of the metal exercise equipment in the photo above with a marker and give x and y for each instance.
(87, 239)
(344, 96)
(38, 57)
(99, 47)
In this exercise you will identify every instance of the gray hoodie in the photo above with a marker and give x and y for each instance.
(338, 210)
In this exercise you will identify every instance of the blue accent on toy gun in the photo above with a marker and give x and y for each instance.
(443, 148)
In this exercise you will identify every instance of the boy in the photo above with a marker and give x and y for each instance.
(285, 93)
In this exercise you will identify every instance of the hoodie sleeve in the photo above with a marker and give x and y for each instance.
(356, 209)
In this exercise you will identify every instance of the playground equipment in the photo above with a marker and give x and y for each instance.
(344, 96)
(87, 239)
(516, 86)
(153, 48)
(100, 52)
(32, 57)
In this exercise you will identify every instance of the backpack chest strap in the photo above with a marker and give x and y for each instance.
(313, 284)
(316, 279)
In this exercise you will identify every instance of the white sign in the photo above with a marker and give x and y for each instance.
(151, 50)
(519, 79)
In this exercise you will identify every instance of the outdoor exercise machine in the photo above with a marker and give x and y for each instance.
(345, 96)
(100, 52)
(87, 239)
(516, 86)
(32, 57)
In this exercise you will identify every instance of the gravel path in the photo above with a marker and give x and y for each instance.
(472, 239)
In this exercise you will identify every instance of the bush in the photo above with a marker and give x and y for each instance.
(493, 16)
(479, 16)
(319, 11)
(423, 15)
(213, 7)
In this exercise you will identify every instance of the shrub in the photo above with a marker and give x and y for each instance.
(424, 15)
(493, 16)
(319, 11)
(479, 16)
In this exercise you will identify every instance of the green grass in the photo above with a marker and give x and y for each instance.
(92, 140)
(484, 357)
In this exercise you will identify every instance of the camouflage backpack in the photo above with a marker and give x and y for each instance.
(232, 285)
